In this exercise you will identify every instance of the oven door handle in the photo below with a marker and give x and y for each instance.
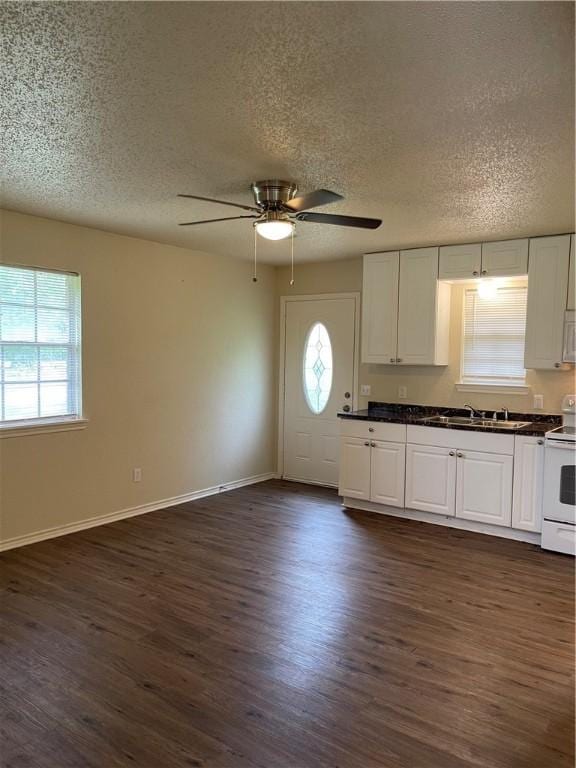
(566, 446)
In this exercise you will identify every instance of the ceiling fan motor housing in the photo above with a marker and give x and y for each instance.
(273, 193)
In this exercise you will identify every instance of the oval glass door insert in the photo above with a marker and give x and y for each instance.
(317, 364)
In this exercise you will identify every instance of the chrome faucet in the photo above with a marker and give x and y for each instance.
(474, 412)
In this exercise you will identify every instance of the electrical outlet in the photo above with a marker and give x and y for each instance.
(402, 393)
(136, 475)
(538, 403)
(365, 389)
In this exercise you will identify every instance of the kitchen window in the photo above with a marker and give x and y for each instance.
(494, 330)
(40, 350)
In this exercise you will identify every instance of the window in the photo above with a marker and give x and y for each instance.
(40, 365)
(494, 330)
(317, 368)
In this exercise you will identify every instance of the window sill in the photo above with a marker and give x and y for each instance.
(496, 389)
(21, 429)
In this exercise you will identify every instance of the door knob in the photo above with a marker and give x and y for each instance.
(346, 408)
(347, 395)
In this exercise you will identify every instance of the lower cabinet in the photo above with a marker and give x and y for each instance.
(528, 483)
(354, 475)
(387, 469)
(372, 470)
(430, 479)
(471, 485)
(484, 487)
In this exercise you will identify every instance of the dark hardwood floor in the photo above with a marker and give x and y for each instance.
(269, 628)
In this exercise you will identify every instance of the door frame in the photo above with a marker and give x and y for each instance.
(284, 301)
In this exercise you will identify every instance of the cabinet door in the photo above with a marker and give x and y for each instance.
(528, 483)
(460, 262)
(505, 259)
(388, 463)
(484, 487)
(417, 306)
(571, 303)
(380, 307)
(430, 479)
(354, 472)
(547, 291)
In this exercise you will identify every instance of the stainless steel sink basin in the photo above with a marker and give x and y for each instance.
(473, 422)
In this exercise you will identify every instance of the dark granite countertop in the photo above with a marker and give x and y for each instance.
(400, 413)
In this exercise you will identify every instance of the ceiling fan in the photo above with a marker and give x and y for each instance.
(276, 208)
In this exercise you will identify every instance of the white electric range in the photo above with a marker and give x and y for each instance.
(559, 498)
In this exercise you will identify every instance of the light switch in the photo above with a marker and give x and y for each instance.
(402, 393)
(365, 389)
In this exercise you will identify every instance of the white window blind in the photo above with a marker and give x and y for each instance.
(40, 365)
(494, 331)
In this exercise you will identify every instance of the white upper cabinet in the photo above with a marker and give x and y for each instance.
(547, 292)
(380, 307)
(508, 258)
(405, 310)
(571, 303)
(460, 262)
(424, 310)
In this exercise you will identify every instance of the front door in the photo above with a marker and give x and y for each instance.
(318, 382)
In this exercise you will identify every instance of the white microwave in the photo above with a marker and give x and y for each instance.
(569, 351)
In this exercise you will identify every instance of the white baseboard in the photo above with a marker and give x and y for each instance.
(112, 517)
(450, 522)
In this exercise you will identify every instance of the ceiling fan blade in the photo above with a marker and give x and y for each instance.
(221, 202)
(313, 199)
(340, 221)
(211, 221)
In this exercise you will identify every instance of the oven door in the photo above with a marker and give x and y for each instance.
(560, 481)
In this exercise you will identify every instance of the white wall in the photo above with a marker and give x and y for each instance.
(179, 351)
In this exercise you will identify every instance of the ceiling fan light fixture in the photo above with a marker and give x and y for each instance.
(274, 229)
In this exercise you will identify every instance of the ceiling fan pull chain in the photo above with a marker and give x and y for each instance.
(255, 276)
(292, 257)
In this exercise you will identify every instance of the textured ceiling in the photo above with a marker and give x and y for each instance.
(452, 122)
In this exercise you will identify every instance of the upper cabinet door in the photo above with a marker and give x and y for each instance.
(505, 259)
(424, 308)
(460, 262)
(547, 291)
(380, 307)
(571, 303)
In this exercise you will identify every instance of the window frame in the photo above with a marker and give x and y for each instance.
(55, 423)
(495, 386)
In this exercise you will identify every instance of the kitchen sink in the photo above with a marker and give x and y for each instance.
(468, 421)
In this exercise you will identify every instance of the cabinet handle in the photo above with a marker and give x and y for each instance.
(367, 445)
(484, 271)
(475, 273)
(373, 445)
(370, 429)
(392, 360)
(451, 453)
(540, 442)
(557, 365)
(398, 359)
(460, 455)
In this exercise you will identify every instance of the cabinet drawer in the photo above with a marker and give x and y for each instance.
(373, 430)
